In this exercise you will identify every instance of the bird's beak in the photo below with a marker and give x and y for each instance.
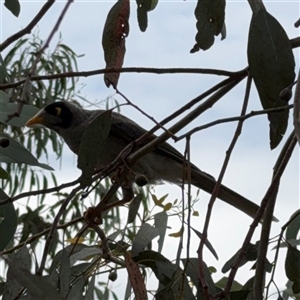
(38, 119)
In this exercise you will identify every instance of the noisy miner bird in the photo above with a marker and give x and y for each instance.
(164, 163)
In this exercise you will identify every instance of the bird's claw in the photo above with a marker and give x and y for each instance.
(91, 217)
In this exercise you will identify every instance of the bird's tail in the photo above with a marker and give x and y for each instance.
(207, 183)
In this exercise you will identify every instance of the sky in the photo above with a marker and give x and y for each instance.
(166, 43)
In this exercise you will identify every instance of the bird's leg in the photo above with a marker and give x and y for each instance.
(94, 214)
(92, 217)
(127, 197)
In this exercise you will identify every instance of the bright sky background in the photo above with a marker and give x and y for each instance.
(166, 43)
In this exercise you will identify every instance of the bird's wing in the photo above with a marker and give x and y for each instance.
(127, 130)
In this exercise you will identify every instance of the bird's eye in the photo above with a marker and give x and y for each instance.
(58, 110)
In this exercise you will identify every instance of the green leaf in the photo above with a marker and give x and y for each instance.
(134, 207)
(210, 15)
(91, 148)
(292, 265)
(168, 275)
(272, 65)
(143, 7)
(3, 100)
(22, 259)
(90, 289)
(223, 282)
(13, 6)
(4, 77)
(293, 228)
(206, 243)
(8, 224)
(28, 111)
(76, 290)
(160, 223)
(192, 270)
(144, 236)
(16, 153)
(37, 287)
(3, 173)
(250, 255)
(64, 276)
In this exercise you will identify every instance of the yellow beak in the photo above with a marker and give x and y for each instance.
(35, 120)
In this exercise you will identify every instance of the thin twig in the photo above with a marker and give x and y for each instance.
(183, 122)
(258, 286)
(140, 110)
(54, 227)
(218, 185)
(39, 192)
(29, 27)
(233, 119)
(283, 228)
(22, 99)
(40, 234)
(258, 217)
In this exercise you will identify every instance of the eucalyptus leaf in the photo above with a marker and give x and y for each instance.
(292, 267)
(191, 266)
(167, 273)
(144, 236)
(12, 287)
(27, 112)
(64, 276)
(13, 6)
(37, 287)
(160, 223)
(16, 153)
(3, 174)
(250, 255)
(293, 228)
(91, 148)
(210, 15)
(8, 225)
(271, 64)
(3, 100)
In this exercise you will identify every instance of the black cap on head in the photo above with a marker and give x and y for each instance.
(61, 110)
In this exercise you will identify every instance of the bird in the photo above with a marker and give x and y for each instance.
(163, 164)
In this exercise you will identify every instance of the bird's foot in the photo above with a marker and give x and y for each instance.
(91, 216)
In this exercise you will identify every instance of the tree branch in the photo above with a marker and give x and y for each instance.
(34, 64)
(258, 217)
(39, 192)
(258, 286)
(297, 109)
(40, 234)
(218, 184)
(232, 119)
(29, 27)
(122, 70)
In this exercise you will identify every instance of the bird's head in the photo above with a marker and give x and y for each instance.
(56, 116)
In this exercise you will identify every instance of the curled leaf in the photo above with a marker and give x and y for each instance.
(116, 29)
(143, 7)
(210, 15)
